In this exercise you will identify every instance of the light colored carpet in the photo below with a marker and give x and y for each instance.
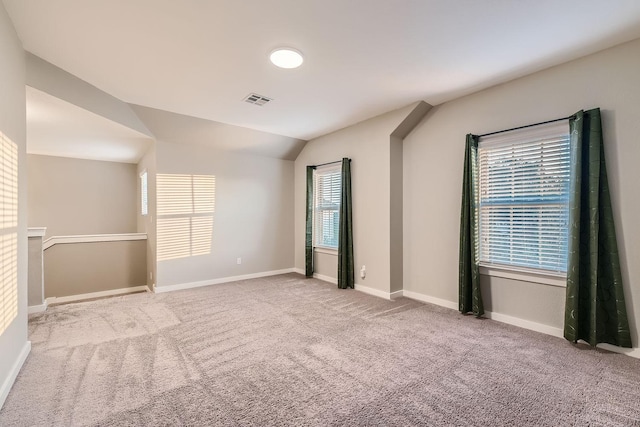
(286, 350)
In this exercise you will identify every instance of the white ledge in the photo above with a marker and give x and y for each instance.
(92, 238)
(36, 231)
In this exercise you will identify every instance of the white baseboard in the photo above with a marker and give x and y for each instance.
(396, 294)
(372, 291)
(633, 352)
(329, 279)
(357, 287)
(317, 276)
(15, 370)
(81, 297)
(431, 300)
(191, 285)
(526, 324)
(37, 308)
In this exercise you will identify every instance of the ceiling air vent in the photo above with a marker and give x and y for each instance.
(256, 99)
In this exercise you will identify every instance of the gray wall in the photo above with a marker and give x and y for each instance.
(433, 157)
(368, 144)
(13, 341)
(75, 196)
(253, 213)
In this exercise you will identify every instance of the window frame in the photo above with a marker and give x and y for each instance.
(333, 169)
(144, 193)
(510, 271)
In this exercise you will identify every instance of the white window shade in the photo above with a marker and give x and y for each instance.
(523, 198)
(327, 194)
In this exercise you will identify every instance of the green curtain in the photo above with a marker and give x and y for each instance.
(308, 238)
(595, 309)
(469, 298)
(345, 243)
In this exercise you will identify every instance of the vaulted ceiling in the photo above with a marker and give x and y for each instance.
(362, 57)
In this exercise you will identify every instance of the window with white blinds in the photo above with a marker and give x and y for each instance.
(186, 205)
(327, 183)
(144, 210)
(523, 198)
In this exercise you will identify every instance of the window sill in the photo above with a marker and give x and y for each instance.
(328, 251)
(524, 275)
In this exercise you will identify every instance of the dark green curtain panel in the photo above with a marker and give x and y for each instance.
(345, 239)
(308, 235)
(469, 298)
(595, 309)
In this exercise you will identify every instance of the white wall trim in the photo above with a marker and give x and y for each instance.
(91, 295)
(632, 352)
(329, 279)
(429, 299)
(396, 294)
(357, 287)
(326, 251)
(92, 238)
(525, 275)
(526, 324)
(191, 285)
(372, 291)
(13, 373)
(522, 323)
(37, 308)
(36, 231)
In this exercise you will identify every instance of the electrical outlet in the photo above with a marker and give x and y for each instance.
(239, 261)
(151, 275)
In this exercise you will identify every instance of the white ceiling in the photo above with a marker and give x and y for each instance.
(363, 57)
(58, 128)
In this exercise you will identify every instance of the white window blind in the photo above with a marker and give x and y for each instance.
(185, 207)
(143, 194)
(8, 232)
(327, 189)
(523, 198)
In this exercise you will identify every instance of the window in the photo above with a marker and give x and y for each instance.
(522, 203)
(8, 232)
(327, 182)
(144, 210)
(185, 207)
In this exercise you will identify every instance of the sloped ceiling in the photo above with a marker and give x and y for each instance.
(59, 128)
(363, 57)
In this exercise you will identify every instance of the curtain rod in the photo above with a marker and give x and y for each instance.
(330, 163)
(573, 116)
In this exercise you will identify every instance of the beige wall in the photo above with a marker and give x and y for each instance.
(75, 196)
(433, 157)
(146, 223)
(253, 213)
(95, 267)
(13, 342)
(368, 145)
(35, 272)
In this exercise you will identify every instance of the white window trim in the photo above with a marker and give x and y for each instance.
(318, 248)
(524, 275)
(144, 193)
(325, 250)
(545, 277)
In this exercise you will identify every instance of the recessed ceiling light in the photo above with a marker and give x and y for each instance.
(286, 57)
